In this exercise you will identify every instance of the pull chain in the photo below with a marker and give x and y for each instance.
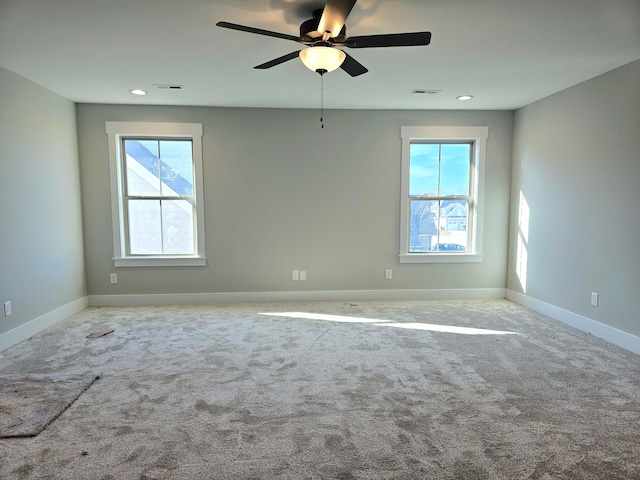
(321, 101)
(321, 72)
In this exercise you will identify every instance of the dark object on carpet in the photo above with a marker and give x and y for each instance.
(28, 403)
(101, 333)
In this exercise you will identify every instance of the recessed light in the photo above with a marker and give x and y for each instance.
(465, 97)
(137, 91)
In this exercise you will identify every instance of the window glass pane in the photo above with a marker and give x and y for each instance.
(177, 167)
(454, 169)
(145, 227)
(177, 224)
(452, 226)
(423, 231)
(423, 169)
(142, 167)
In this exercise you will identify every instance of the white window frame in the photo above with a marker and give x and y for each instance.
(478, 136)
(116, 131)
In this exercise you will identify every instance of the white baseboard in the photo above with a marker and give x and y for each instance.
(49, 319)
(610, 334)
(613, 335)
(302, 296)
(29, 329)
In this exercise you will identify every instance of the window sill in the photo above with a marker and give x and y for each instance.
(160, 261)
(440, 258)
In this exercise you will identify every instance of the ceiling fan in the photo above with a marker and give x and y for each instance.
(326, 31)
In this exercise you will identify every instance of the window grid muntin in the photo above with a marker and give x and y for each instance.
(191, 199)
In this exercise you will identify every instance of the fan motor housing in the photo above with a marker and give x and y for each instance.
(309, 30)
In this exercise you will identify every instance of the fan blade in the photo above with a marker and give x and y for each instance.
(278, 61)
(334, 16)
(352, 66)
(389, 40)
(259, 31)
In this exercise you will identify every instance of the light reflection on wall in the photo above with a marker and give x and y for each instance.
(523, 242)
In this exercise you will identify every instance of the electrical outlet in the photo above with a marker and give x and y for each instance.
(295, 275)
(113, 278)
(7, 309)
(388, 274)
(595, 297)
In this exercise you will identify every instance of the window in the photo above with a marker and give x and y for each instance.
(156, 193)
(441, 204)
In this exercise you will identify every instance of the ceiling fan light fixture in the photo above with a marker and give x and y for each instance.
(325, 59)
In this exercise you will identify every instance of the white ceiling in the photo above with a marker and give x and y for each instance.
(507, 53)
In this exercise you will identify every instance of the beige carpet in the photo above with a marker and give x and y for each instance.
(28, 403)
(393, 390)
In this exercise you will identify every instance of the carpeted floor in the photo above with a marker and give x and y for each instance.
(373, 390)
(28, 403)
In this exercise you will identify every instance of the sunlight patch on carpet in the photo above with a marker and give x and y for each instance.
(322, 316)
(387, 323)
(446, 329)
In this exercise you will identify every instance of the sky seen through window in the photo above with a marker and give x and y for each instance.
(439, 169)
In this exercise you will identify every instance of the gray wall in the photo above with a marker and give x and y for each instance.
(41, 249)
(576, 161)
(282, 194)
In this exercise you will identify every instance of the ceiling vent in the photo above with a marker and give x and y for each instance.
(167, 86)
(425, 91)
